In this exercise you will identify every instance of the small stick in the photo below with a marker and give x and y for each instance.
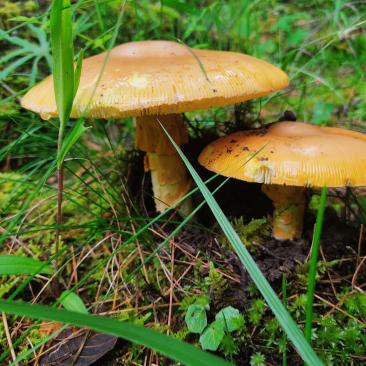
(171, 285)
(359, 246)
(8, 338)
(328, 274)
(340, 310)
(354, 278)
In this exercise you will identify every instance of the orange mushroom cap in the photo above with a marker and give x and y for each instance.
(291, 153)
(160, 77)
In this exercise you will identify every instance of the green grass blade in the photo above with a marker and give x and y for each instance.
(282, 315)
(19, 265)
(63, 57)
(313, 263)
(77, 72)
(70, 140)
(169, 346)
(284, 337)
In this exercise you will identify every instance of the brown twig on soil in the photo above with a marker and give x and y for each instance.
(359, 245)
(359, 266)
(340, 310)
(328, 274)
(8, 338)
(171, 284)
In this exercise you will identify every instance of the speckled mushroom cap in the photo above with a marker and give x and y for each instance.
(160, 77)
(291, 153)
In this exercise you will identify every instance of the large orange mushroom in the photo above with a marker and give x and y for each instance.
(155, 81)
(287, 157)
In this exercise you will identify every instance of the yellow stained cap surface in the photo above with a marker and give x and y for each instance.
(160, 77)
(291, 153)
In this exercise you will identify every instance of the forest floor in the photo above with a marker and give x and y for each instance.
(108, 196)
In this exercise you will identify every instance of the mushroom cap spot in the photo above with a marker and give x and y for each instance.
(160, 77)
(291, 153)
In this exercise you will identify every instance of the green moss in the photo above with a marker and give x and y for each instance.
(254, 231)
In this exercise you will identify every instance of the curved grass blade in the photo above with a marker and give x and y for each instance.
(282, 315)
(169, 346)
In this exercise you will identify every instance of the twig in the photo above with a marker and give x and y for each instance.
(328, 274)
(354, 278)
(340, 310)
(359, 245)
(171, 285)
(8, 338)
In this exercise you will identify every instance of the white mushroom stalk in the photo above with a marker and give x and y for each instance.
(169, 176)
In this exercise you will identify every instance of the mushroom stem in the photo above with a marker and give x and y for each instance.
(170, 178)
(289, 207)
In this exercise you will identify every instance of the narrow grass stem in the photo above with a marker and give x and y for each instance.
(60, 187)
(284, 337)
(313, 264)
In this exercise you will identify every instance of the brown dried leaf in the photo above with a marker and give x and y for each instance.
(80, 348)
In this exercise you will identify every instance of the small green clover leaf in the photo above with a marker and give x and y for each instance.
(196, 318)
(230, 319)
(212, 336)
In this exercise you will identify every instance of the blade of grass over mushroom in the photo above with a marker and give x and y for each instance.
(169, 346)
(200, 64)
(63, 80)
(63, 59)
(282, 315)
(313, 264)
(106, 58)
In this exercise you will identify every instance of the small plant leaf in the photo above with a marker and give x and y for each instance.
(212, 336)
(196, 318)
(230, 319)
(71, 301)
(19, 265)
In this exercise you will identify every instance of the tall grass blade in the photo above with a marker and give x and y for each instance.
(313, 263)
(77, 71)
(284, 338)
(63, 58)
(66, 81)
(282, 315)
(169, 346)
